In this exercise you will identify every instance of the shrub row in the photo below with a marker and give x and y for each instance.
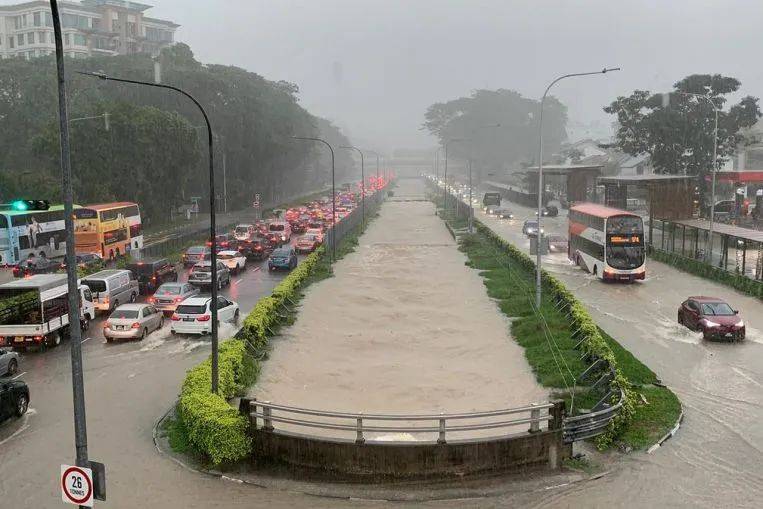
(698, 268)
(216, 429)
(593, 344)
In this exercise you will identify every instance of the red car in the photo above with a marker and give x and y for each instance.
(713, 317)
(307, 244)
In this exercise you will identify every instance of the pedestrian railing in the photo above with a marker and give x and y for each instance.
(268, 417)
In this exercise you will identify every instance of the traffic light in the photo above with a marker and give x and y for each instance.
(22, 205)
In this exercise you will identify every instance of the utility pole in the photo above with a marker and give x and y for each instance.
(75, 328)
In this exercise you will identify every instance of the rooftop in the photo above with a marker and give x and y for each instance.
(644, 179)
(724, 229)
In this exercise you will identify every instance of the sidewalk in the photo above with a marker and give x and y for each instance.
(404, 327)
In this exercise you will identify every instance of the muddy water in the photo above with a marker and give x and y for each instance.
(715, 460)
(403, 327)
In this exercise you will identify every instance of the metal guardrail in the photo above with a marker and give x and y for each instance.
(546, 416)
(352, 220)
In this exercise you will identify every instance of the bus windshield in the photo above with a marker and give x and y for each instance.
(625, 257)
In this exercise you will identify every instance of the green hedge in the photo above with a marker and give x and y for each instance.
(586, 330)
(216, 429)
(698, 268)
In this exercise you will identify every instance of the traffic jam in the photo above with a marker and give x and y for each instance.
(609, 244)
(152, 295)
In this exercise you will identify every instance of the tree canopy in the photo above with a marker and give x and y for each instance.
(677, 129)
(157, 136)
(515, 141)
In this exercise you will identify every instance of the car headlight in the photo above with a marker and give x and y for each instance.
(708, 323)
(740, 324)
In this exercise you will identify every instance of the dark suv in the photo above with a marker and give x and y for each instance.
(14, 399)
(151, 274)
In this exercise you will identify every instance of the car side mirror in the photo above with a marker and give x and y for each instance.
(736, 311)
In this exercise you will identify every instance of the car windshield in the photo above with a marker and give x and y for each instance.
(242, 230)
(196, 250)
(716, 309)
(124, 314)
(169, 290)
(309, 238)
(141, 268)
(202, 268)
(187, 309)
(276, 227)
(280, 252)
(225, 256)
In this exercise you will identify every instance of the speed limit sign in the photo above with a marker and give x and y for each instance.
(77, 485)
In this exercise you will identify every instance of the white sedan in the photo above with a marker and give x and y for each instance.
(234, 260)
(194, 315)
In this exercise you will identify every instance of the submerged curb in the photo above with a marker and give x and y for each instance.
(670, 433)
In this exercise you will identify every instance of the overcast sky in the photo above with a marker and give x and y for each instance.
(373, 66)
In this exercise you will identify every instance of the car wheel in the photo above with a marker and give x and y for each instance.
(173, 332)
(13, 367)
(161, 322)
(145, 333)
(680, 319)
(116, 305)
(236, 317)
(133, 297)
(22, 404)
(85, 323)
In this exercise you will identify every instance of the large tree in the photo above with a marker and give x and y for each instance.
(252, 118)
(514, 142)
(676, 129)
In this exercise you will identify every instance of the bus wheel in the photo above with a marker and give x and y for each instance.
(595, 270)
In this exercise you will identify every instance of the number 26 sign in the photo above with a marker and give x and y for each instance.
(77, 485)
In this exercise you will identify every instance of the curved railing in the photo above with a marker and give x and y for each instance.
(265, 415)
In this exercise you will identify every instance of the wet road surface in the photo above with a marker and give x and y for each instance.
(714, 459)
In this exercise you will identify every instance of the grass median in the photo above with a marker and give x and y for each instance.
(549, 342)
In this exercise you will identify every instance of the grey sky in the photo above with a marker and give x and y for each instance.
(373, 66)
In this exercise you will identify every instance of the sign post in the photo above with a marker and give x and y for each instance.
(77, 485)
(256, 206)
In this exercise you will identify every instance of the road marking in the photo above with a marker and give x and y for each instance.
(237, 281)
(19, 375)
(86, 339)
(256, 269)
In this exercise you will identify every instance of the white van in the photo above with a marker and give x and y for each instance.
(281, 228)
(244, 232)
(112, 287)
(35, 311)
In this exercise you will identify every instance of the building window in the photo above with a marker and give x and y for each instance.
(48, 19)
(11, 42)
(74, 21)
(20, 39)
(30, 38)
(96, 24)
(37, 19)
(79, 40)
(66, 40)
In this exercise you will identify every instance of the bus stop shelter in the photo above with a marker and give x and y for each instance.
(735, 249)
(578, 179)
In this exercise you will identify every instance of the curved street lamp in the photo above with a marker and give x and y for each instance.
(540, 174)
(362, 184)
(212, 212)
(333, 192)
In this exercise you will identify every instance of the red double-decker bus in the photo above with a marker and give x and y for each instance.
(607, 242)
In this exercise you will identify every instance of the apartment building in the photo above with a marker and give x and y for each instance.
(90, 27)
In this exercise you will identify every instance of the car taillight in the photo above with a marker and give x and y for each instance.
(135, 325)
(151, 300)
(178, 299)
(203, 318)
(175, 317)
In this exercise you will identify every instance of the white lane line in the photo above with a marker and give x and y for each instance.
(86, 339)
(237, 281)
(257, 268)
(19, 375)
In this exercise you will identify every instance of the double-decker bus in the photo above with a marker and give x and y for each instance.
(31, 232)
(607, 242)
(109, 229)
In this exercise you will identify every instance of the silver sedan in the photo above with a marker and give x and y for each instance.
(169, 295)
(132, 321)
(9, 362)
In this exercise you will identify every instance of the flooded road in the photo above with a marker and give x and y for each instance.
(714, 459)
(403, 327)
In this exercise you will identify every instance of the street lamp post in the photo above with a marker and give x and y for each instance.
(362, 184)
(445, 176)
(75, 331)
(709, 250)
(540, 176)
(212, 216)
(333, 192)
